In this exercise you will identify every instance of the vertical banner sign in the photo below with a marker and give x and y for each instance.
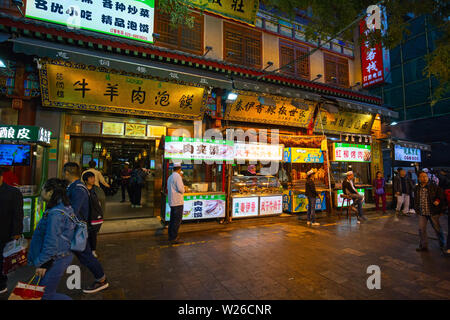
(132, 19)
(375, 62)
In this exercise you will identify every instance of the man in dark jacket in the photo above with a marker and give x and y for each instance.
(79, 199)
(428, 200)
(403, 188)
(311, 194)
(11, 221)
(349, 189)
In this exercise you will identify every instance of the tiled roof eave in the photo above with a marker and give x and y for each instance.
(56, 31)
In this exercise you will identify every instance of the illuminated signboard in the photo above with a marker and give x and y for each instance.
(258, 151)
(180, 148)
(25, 133)
(113, 128)
(271, 205)
(132, 19)
(303, 155)
(407, 154)
(201, 207)
(245, 207)
(352, 152)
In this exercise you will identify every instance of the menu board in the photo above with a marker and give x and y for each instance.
(201, 207)
(352, 152)
(303, 155)
(113, 128)
(181, 148)
(245, 207)
(340, 200)
(407, 154)
(135, 130)
(271, 205)
(258, 151)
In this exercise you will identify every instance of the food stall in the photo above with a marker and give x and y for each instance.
(24, 150)
(303, 154)
(351, 157)
(259, 194)
(204, 175)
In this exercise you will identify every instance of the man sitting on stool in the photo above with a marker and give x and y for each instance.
(350, 190)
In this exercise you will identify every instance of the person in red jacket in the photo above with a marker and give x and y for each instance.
(10, 177)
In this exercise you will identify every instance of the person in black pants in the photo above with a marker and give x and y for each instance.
(175, 189)
(11, 221)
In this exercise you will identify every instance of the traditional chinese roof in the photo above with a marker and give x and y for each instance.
(96, 41)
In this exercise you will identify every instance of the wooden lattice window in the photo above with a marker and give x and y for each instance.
(290, 52)
(336, 70)
(242, 45)
(181, 37)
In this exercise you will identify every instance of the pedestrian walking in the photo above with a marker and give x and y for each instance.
(428, 205)
(137, 182)
(379, 186)
(311, 194)
(79, 200)
(11, 221)
(99, 179)
(175, 189)
(350, 190)
(125, 175)
(96, 212)
(403, 188)
(50, 246)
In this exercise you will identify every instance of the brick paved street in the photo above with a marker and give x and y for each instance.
(276, 258)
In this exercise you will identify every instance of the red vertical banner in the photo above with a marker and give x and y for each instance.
(371, 60)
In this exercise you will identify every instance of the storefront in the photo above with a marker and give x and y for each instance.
(24, 151)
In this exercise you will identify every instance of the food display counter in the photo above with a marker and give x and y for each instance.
(24, 151)
(203, 167)
(304, 155)
(255, 196)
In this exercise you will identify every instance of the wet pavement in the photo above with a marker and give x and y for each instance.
(273, 258)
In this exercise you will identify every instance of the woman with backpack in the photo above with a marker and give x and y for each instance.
(137, 182)
(50, 246)
(380, 191)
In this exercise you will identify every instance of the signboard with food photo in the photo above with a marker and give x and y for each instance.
(201, 207)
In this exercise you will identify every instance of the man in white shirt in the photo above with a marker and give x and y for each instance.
(175, 192)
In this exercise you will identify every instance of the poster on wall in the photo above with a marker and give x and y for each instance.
(131, 19)
(201, 207)
(245, 207)
(407, 154)
(352, 152)
(297, 203)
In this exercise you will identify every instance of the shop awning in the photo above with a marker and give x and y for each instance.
(255, 86)
(412, 144)
(113, 61)
(365, 107)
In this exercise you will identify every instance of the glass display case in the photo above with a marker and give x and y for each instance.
(256, 196)
(246, 185)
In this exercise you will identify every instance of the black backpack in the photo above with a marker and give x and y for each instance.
(95, 209)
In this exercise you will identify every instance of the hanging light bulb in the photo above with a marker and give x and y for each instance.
(360, 139)
(346, 138)
(144, 153)
(353, 138)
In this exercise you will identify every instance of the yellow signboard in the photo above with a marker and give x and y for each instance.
(247, 108)
(156, 131)
(77, 86)
(112, 128)
(306, 155)
(135, 130)
(344, 122)
(242, 10)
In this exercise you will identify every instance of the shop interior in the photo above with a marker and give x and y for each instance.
(111, 156)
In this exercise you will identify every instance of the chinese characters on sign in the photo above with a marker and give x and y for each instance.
(85, 89)
(258, 151)
(271, 205)
(341, 122)
(27, 133)
(352, 152)
(248, 108)
(198, 149)
(407, 154)
(243, 10)
(375, 62)
(245, 207)
(132, 19)
(303, 155)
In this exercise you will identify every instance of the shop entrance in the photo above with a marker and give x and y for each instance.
(116, 158)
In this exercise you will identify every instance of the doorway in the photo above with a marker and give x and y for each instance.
(116, 158)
